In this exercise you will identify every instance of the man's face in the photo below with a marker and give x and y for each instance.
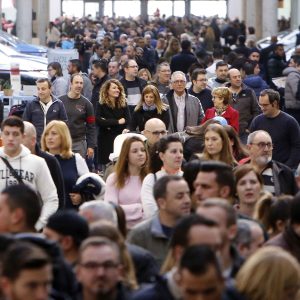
(179, 83)
(141, 43)
(235, 78)
(207, 286)
(261, 149)
(200, 82)
(52, 235)
(164, 74)
(222, 72)
(177, 201)
(113, 68)
(12, 138)
(96, 71)
(130, 52)
(99, 270)
(77, 85)
(280, 51)
(132, 69)
(268, 109)
(6, 215)
(255, 56)
(118, 52)
(31, 284)
(155, 132)
(43, 91)
(71, 69)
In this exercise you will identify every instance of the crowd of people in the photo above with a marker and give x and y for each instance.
(166, 168)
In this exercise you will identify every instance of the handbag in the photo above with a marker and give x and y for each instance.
(13, 171)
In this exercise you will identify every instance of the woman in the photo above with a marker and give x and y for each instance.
(145, 74)
(221, 97)
(270, 274)
(150, 106)
(217, 145)
(130, 170)
(166, 159)
(111, 116)
(249, 185)
(52, 34)
(172, 49)
(59, 83)
(56, 139)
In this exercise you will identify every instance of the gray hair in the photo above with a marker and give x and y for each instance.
(29, 129)
(177, 73)
(243, 236)
(253, 134)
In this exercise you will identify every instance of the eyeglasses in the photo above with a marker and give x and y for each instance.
(201, 80)
(157, 133)
(165, 71)
(50, 69)
(179, 82)
(107, 265)
(263, 145)
(132, 66)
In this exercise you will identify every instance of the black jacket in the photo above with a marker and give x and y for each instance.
(96, 90)
(182, 61)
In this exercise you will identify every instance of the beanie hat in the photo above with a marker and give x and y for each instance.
(221, 120)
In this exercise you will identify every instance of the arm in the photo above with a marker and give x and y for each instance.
(111, 192)
(81, 165)
(148, 201)
(63, 114)
(255, 109)
(294, 138)
(26, 114)
(234, 122)
(166, 117)
(133, 122)
(201, 112)
(91, 137)
(101, 120)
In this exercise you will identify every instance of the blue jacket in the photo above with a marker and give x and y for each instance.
(34, 114)
(256, 83)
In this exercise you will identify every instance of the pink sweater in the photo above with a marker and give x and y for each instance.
(129, 197)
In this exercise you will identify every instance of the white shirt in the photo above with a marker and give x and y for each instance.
(180, 102)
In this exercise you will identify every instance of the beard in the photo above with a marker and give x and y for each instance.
(263, 160)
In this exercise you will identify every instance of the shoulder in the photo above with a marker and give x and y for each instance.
(143, 226)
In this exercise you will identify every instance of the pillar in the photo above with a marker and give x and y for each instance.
(144, 9)
(24, 20)
(113, 8)
(187, 8)
(235, 9)
(42, 20)
(0, 14)
(259, 16)
(173, 8)
(101, 8)
(270, 18)
(251, 13)
(295, 14)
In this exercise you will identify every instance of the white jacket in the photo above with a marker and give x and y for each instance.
(35, 173)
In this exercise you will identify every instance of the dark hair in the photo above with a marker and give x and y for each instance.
(243, 236)
(101, 64)
(273, 95)
(121, 218)
(296, 59)
(22, 196)
(13, 121)
(76, 63)
(276, 46)
(186, 44)
(295, 209)
(118, 46)
(196, 72)
(249, 67)
(190, 172)
(41, 80)
(57, 67)
(160, 186)
(221, 63)
(197, 260)
(243, 170)
(23, 256)
(126, 64)
(218, 53)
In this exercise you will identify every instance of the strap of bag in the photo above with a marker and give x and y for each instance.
(12, 170)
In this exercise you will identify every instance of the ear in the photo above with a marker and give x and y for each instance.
(224, 191)
(177, 253)
(232, 230)
(17, 216)
(161, 203)
(161, 155)
(6, 286)
(280, 225)
(67, 243)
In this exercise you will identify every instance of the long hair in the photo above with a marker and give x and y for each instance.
(121, 168)
(160, 106)
(170, 49)
(65, 136)
(104, 98)
(226, 151)
(57, 67)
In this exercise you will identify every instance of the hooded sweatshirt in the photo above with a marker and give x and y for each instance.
(34, 173)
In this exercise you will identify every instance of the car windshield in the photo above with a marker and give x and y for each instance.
(8, 38)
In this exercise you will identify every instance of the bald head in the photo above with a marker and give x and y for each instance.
(235, 78)
(154, 130)
(29, 139)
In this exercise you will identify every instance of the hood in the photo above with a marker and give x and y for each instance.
(24, 152)
(253, 81)
(288, 70)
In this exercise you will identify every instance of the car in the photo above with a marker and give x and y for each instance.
(21, 46)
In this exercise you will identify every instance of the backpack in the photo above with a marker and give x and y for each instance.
(18, 109)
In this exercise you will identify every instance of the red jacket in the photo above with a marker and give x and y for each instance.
(230, 114)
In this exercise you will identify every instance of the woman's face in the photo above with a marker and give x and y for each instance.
(51, 72)
(149, 99)
(173, 156)
(113, 91)
(137, 154)
(256, 69)
(248, 188)
(53, 140)
(144, 75)
(213, 143)
(218, 101)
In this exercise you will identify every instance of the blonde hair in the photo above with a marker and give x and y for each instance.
(141, 71)
(65, 136)
(267, 274)
(223, 92)
(104, 98)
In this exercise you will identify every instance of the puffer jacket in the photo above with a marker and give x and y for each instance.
(291, 87)
(256, 83)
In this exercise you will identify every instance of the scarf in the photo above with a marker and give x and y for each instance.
(149, 108)
(220, 110)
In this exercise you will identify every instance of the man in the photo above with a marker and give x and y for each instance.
(148, 56)
(221, 75)
(283, 129)
(26, 273)
(215, 179)
(199, 89)
(185, 109)
(44, 108)
(173, 200)
(98, 54)
(217, 56)
(154, 130)
(183, 60)
(278, 178)
(223, 213)
(75, 67)
(118, 51)
(133, 85)
(100, 270)
(18, 165)
(81, 118)
(244, 101)
(130, 52)
(113, 70)
(29, 141)
(163, 78)
(69, 230)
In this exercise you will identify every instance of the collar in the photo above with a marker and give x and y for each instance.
(156, 228)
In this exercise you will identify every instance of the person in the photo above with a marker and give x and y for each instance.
(185, 109)
(56, 139)
(98, 52)
(29, 141)
(221, 77)
(217, 145)
(112, 117)
(81, 118)
(173, 48)
(270, 273)
(130, 170)
(29, 169)
(44, 108)
(283, 129)
(69, 230)
(217, 56)
(222, 99)
(163, 77)
(26, 272)
(100, 270)
(113, 70)
(171, 194)
(150, 106)
(145, 74)
(59, 83)
(278, 178)
(53, 35)
(249, 185)
(167, 160)
(199, 88)
(214, 179)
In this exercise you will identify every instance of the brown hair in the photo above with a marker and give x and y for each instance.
(243, 170)
(223, 92)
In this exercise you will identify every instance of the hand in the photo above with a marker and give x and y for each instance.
(90, 152)
(75, 198)
(122, 121)
(125, 130)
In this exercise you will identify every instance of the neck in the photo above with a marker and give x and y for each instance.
(171, 171)
(164, 81)
(275, 114)
(13, 153)
(54, 151)
(46, 100)
(134, 170)
(196, 89)
(167, 219)
(73, 95)
(179, 93)
(215, 157)
(235, 89)
(87, 295)
(71, 256)
(247, 209)
(226, 257)
(129, 77)
(258, 167)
